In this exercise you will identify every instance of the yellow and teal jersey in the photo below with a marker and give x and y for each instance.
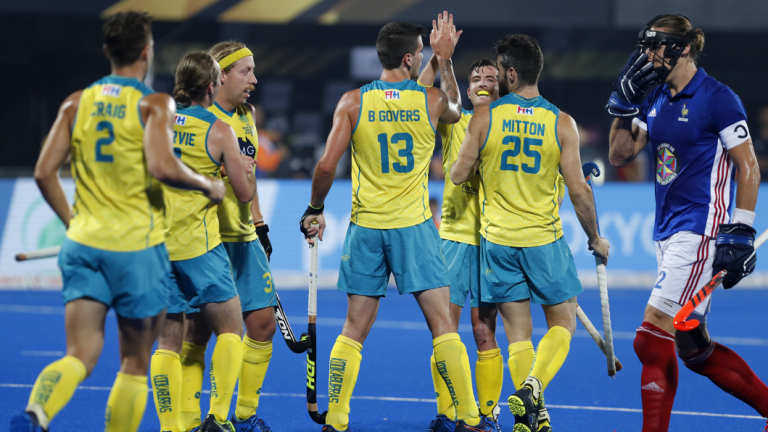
(193, 225)
(460, 220)
(235, 220)
(392, 145)
(520, 171)
(118, 206)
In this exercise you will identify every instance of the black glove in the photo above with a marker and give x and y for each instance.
(734, 252)
(635, 80)
(262, 231)
(309, 212)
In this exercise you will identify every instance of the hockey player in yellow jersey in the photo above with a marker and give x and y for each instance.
(460, 244)
(390, 123)
(199, 262)
(520, 144)
(118, 133)
(246, 242)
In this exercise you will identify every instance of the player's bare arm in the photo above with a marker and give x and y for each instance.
(429, 73)
(625, 141)
(469, 153)
(53, 156)
(239, 167)
(158, 110)
(578, 189)
(443, 39)
(344, 118)
(747, 174)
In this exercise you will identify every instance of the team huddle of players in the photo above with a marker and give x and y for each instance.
(202, 247)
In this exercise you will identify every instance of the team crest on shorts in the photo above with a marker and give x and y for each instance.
(666, 164)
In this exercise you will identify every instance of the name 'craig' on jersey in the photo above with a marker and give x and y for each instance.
(520, 173)
(392, 145)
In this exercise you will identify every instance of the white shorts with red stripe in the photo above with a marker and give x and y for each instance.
(684, 261)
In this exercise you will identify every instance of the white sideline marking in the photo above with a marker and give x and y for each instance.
(33, 353)
(431, 401)
(396, 325)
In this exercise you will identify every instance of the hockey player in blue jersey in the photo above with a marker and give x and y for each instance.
(697, 130)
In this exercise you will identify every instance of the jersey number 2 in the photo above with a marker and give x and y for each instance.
(527, 142)
(107, 126)
(405, 152)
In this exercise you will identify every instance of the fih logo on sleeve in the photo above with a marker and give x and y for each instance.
(181, 120)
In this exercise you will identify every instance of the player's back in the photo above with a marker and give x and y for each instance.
(235, 219)
(520, 162)
(193, 225)
(118, 206)
(392, 145)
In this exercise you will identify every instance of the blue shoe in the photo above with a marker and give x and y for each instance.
(442, 423)
(525, 407)
(483, 426)
(251, 424)
(25, 422)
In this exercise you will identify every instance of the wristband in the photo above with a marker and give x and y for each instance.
(742, 216)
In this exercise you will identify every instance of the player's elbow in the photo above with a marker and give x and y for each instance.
(163, 172)
(244, 193)
(325, 168)
(457, 176)
(43, 173)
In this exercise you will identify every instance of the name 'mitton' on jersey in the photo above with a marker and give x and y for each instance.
(118, 206)
(193, 226)
(460, 217)
(392, 145)
(690, 135)
(235, 219)
(520, 173)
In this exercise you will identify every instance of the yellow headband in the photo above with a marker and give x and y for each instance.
(235, 56)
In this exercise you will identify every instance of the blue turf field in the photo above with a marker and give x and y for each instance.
(394, 390)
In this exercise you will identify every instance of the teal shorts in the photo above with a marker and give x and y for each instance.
(136, 284)
(463, 261)
(252, 276)
(201, 280)
(544, 274)
(412, 254)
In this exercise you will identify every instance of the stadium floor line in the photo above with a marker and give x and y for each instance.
(428, 400)
(395, 324)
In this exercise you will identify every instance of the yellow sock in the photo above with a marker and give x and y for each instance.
(342, 375)
(256, 356)
(444, 401)
(225, 367)
(192, 369)
(454, 368)
(489, 375)
(165, 376)
(126, 403)
(54, 387)
(520, 361)
(550, 354)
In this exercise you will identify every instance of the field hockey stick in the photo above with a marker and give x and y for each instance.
(38, 254)
(681, 321)
(311, 337)
(297, 346)
(592, 330)
(590, 170)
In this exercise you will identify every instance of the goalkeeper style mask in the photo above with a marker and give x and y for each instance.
(674, 45)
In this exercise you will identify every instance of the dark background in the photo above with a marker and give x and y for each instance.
(303, 59)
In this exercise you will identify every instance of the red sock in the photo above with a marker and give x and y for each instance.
(658, 382)
(731, 373)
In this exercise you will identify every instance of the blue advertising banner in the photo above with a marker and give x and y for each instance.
(625, 211)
